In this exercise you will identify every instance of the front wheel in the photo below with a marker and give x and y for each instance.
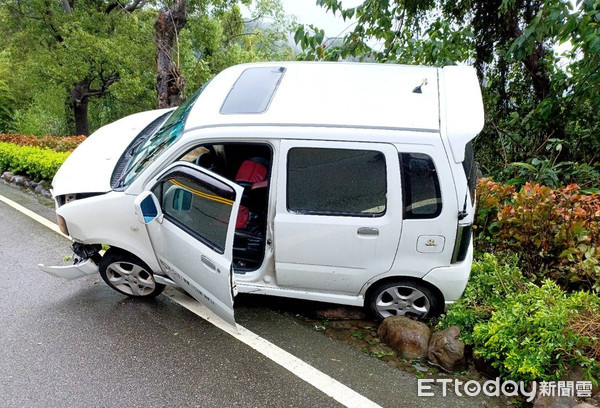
(127, 274)
(402, 297)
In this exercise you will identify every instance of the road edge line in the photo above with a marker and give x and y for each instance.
(301, 369)
(46, 223)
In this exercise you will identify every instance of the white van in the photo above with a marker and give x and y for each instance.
(335, 182)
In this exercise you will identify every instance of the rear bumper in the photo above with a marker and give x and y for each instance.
(71, 272)
(452, 280)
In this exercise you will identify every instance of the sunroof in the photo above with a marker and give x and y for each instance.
(253, 90)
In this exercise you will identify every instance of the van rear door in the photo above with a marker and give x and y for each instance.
(190, 215)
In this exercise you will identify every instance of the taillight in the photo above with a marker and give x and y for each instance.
(463, 240)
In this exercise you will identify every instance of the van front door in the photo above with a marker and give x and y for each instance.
(190, 216)
(339, 214)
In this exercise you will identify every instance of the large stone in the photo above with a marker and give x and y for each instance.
(20, 181)
(447, 350)
(542, 401)
(409, 337)
(341, 313)
(7, 176)
(577, 374)
(484, 367)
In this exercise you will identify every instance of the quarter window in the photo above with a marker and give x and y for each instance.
(336, 182)
(421, 188)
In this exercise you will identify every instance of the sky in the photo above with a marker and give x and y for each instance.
(307, 12)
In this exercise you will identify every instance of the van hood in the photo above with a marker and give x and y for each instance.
(89, 168)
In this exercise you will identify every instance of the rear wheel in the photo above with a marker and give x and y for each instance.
(127, 274)
(403, 297)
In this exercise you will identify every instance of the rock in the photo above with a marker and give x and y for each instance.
(341, 313)
(542, 401)
(586, 405)
(20, 181)
(7, 176)
(447, 350)
(38, 189)
(45, 184)
(409, 337)
(576, 374)
(484, 367)
(595, 400)
(32, 185)
(46, 193)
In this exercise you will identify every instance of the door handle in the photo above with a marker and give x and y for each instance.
(209, 264)
(368, 231)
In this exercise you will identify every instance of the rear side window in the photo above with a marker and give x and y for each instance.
(342, 182)
(421, 187)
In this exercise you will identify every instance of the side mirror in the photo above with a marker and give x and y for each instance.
(147, 208)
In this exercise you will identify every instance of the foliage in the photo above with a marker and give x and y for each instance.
(526, 331)
(527, 336)
(6, 98)
(56, 143)
(103, 54)
(537, 61)
(37, 163)
(489, 284)
(555, 232)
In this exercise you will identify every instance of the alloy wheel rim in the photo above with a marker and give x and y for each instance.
(402, 300)
(130, 278)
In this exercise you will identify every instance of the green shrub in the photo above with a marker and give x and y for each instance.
(524, 330)
(489, 285)
(528, 338)
(556, 233)
(34, 162)
(56, 143)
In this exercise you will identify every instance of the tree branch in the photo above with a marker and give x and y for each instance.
(67, 6)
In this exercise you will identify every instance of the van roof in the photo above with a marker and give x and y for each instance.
(445, 101)
(322, 94)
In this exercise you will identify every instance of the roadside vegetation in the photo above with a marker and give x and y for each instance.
(531, 309)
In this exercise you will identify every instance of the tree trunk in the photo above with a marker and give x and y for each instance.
(169, 82)
(79, 103)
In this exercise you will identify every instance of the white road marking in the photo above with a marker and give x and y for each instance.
(293, 364)
(34, 216)
(323, 382)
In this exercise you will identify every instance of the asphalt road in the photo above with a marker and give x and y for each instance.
(81, 344)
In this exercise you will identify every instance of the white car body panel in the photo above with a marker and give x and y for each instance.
(71, 272)
(390, 108)
(89, 167)
(203, 272)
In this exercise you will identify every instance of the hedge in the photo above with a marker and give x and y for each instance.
(56, 143)
(37, 163)
(555, 232)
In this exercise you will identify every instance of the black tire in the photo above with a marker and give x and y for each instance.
(403, 297)
(129, 275)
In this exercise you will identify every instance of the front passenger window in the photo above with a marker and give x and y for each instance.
(202, 208)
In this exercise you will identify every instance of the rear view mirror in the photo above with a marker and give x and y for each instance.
(147, 208)
(182, 200)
